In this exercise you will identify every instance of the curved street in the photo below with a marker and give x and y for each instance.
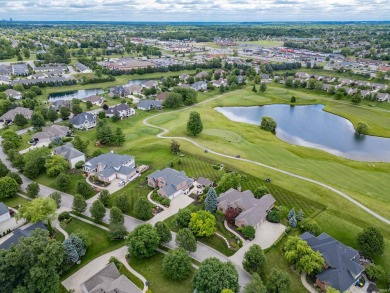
(165, 131)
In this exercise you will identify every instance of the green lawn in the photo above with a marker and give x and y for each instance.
(46, 180)
(100, 243)
(151, 269)
(14, 201)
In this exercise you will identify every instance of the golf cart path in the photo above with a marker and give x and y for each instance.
(165, 131)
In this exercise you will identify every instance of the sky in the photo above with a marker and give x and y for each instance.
(196, 10)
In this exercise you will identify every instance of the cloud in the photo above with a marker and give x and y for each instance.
(195, 10)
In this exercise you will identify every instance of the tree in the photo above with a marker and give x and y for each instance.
(227, 291)
(202, 224)
(116, 216)
(291, 214)
(175, 147)
(122, 202)
(8, 187)
(194, 124)
(230, 180)
(163, 232)
(39, 209)
(260, 191)
(299, 253)
(292, 222)
(263, 87)
(249, 232)
(211, 201)
(79, 144)
(361, 128)
(32, 189)
(293, 100)
(97, 210)
(143, 241)
(186, 240)
(15, 176)
(278, 281)
(356, 99)
(115, 118)
(65, 113)
(37, 120)
(255, 285)
(74, 248)
(34, 162)
(375, 272)
(183, 218)
(176, 264)
(143, 209)
(63, 182)
(300, 215)
(79, 203)
(3, 169)
(311, 226)
(32, 265)
(213, 276)
(119, 136)
(254, 88)
(52, 115)
(174, 100)
(84, 188)
(104, 197)
(56, 196)
(273, 216)
(230, 215)
(20, 120)
(254, 259)
(56, 164)
(76, 109)
(268, 123)
(117, 231)
(370, 241)
(89, 105)
(11, 136)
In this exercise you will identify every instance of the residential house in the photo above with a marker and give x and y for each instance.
(345, 81)
(82, 68)
(50, 68)
(10, 115)
(240, 79)
(184, 77)
(109, 280)
(37, 76)
(365, 93)
(109, 166)
(5, 79)
(58, 104)
(19, 233)
(20, 69)
(342, 269)
(72, 155)
(204, 182)
(84, 121)
(12, 94)
(118, 91)
(220, 72)
(4, 213)
(5, 70)
(381, 97)
(328, 79)
(184, 86)
(326, 86)
(379, 86)
(95, 100)
(50, 133)
(147, 105)
(162, 96)
(265, 78)
(302, 75)
(122, 110)
(202, 75)
(170, 182)
(199, 86)
(252, 211)
(149, 84)
(362, 83)
(220, 82)
(134, 89)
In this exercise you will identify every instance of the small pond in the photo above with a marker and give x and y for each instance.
(310, 126)
(80, 94)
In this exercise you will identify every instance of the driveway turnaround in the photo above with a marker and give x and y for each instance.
(266, 234)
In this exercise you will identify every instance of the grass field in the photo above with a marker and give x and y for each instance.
(151, 269)
(100, 243)
(14, 201)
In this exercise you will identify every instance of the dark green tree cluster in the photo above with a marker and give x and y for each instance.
(107, 136)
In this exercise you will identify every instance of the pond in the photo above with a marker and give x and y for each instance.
(310, 126)
(136, 81)
(80, 94)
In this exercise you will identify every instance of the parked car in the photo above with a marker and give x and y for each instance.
(123, 182)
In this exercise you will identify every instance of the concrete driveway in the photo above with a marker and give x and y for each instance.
(179, 202)
(266, 234)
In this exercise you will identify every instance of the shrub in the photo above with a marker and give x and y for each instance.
(375, 272)
(249, 232)
(116, 262)
(79, 164)
(166, 202)
(63, 216)
(273, 216)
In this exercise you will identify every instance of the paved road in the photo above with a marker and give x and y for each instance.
(165, 131)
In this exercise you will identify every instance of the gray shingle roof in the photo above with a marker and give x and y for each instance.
(109, 160)
(115, 109)
(10, 115)
(147, 104)
(68, 151)
(82, 117)
(109, 280)
(52, 131)
(3, 209)
(18, 233)
(342, 260)
(170, 176)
